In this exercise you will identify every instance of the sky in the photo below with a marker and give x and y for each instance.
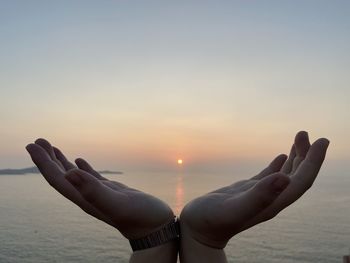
(139, 84)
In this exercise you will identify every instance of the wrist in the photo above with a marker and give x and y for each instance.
(205, 234)
(164, 234)
(193, 251)
(166, 252)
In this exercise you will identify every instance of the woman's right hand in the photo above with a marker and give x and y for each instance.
(212, 219)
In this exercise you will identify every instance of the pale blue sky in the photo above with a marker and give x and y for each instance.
(140, 83)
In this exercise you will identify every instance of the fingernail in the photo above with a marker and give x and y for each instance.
(280, 184)
(74, 178)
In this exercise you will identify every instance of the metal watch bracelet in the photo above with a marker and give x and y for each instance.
(167, 233)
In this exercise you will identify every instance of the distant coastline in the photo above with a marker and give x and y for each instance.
(35, 170)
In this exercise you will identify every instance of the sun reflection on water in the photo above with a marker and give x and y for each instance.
(179, 193)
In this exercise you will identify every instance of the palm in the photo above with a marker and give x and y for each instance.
(132, 212)
(214, 218)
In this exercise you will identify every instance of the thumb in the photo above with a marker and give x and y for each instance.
(105, 199)
(261, 195)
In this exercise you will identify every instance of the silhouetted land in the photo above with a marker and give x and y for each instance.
(35, 170)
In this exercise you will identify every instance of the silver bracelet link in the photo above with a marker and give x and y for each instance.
(167, 233)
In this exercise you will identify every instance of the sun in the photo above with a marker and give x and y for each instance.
(179, 161)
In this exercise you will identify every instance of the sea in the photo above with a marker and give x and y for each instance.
(38, 225)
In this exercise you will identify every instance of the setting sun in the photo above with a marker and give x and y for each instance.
(179, 161)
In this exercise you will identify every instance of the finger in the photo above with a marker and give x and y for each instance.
(274, 166)
(260, 196)
(302, 145)
(307, 171)
(54, 175)
(60, 156)
(85, 166)
(301, 180)
(234, 188)
(48, 148)
(246, 186)
(288, 165)
(49, 169)
(110, 202)
(116, 185)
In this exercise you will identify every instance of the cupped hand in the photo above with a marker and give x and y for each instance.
(134, 213)
(214, 218)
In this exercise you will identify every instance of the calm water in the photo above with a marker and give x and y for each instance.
(38, 225)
